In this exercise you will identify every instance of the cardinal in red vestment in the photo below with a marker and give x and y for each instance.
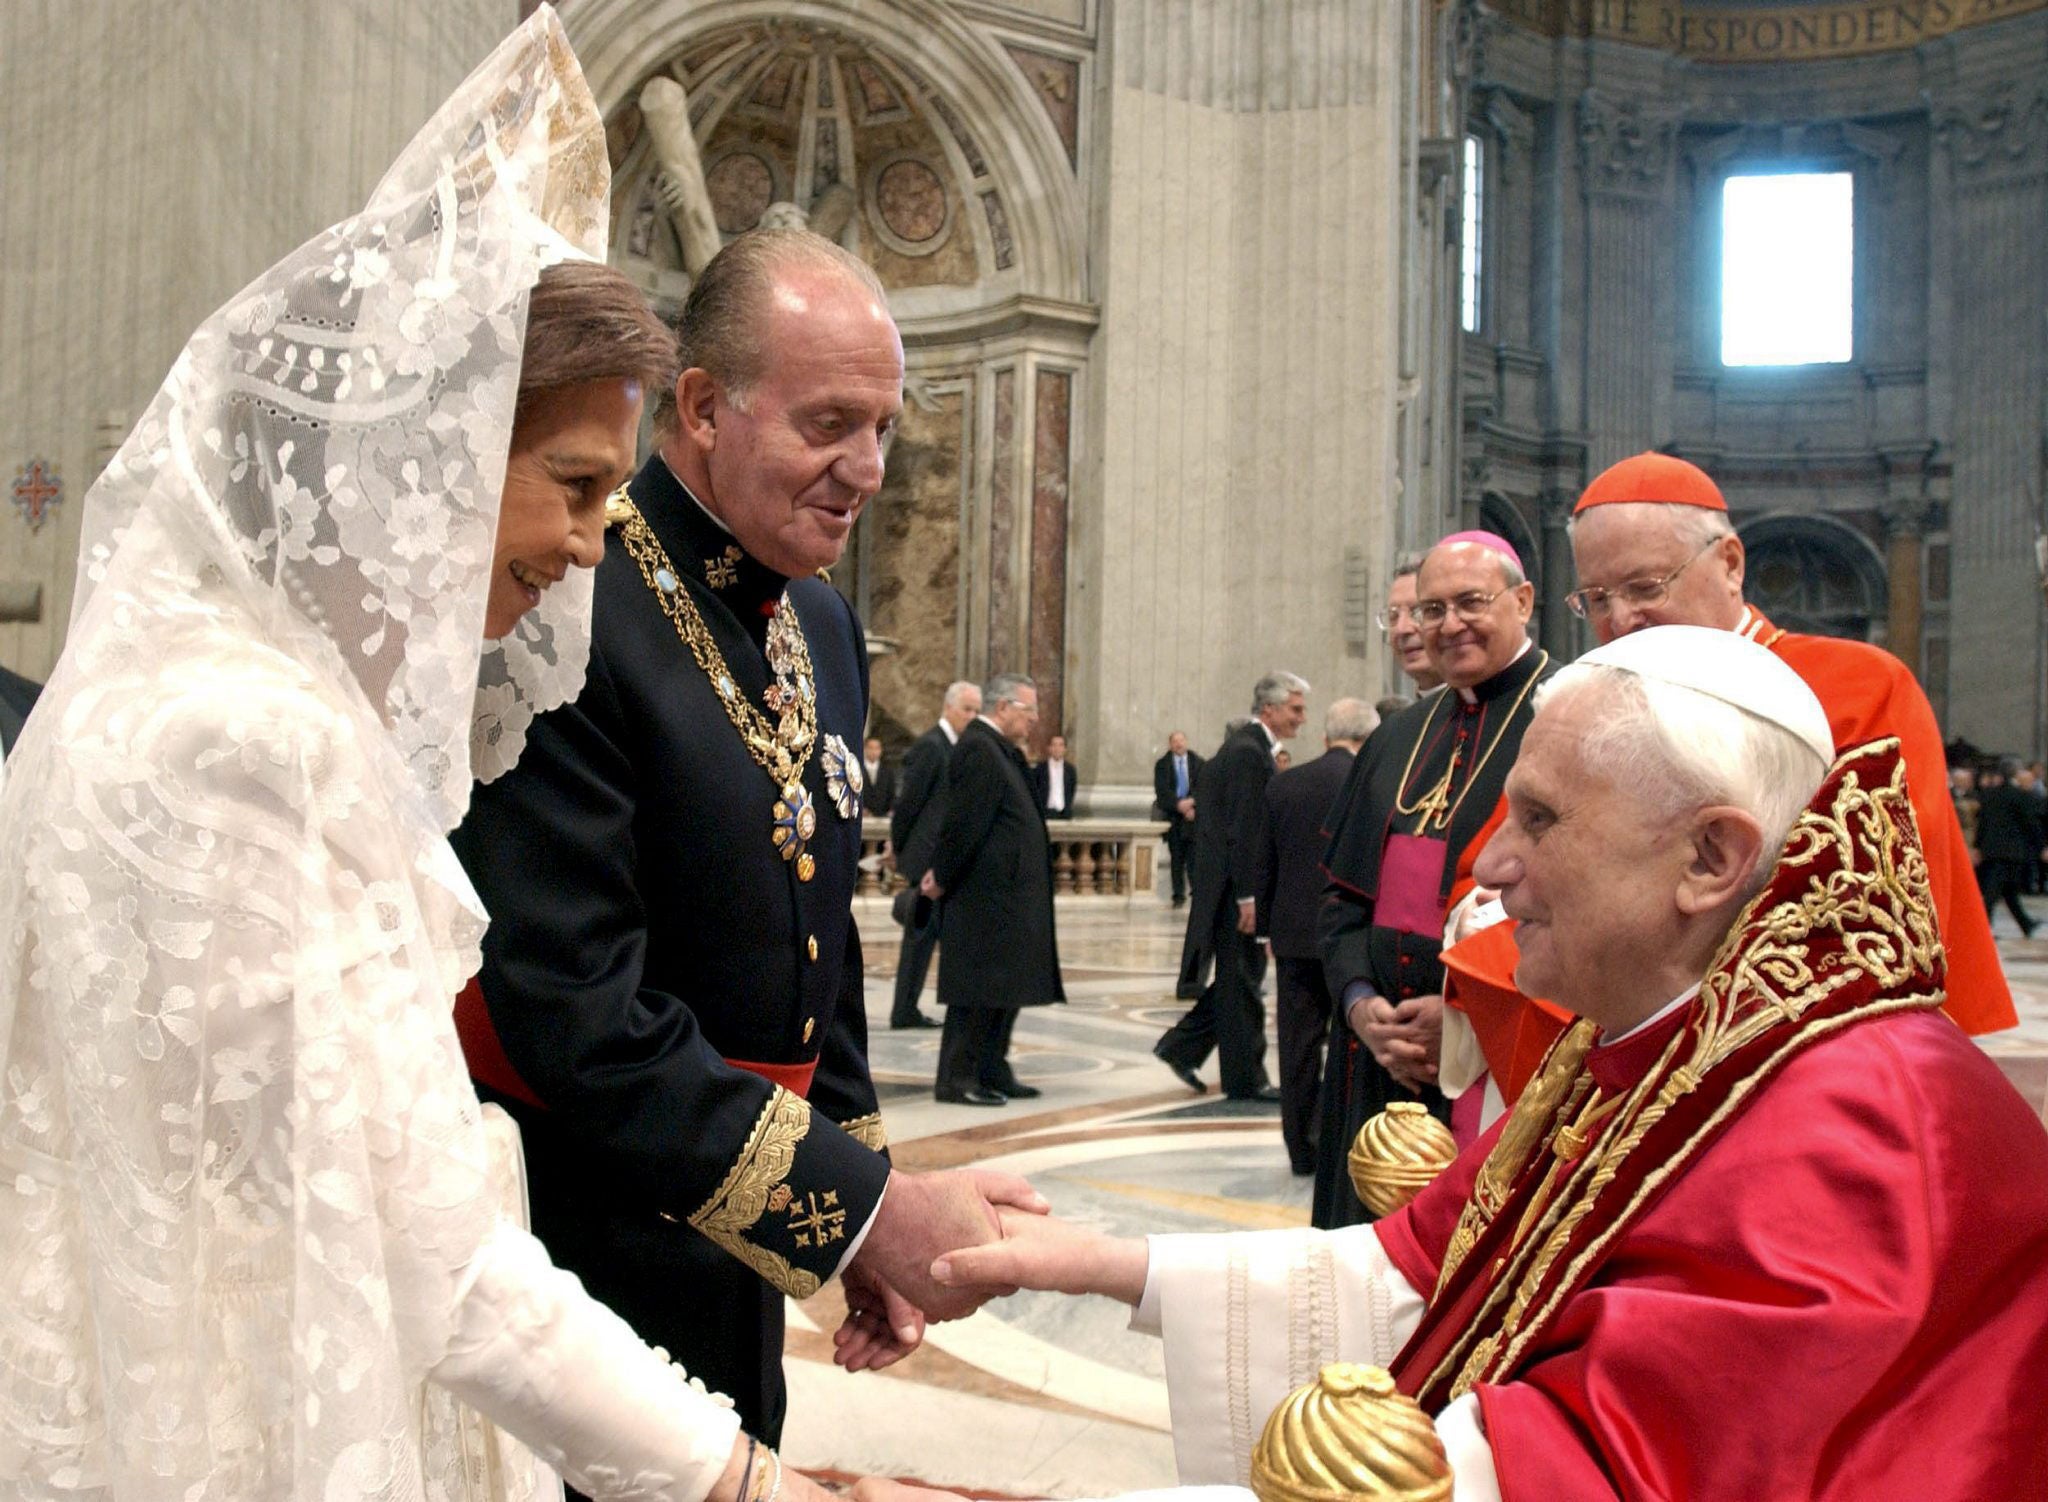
(1652, 546)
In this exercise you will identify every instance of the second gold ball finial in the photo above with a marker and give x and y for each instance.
(1397, 1154)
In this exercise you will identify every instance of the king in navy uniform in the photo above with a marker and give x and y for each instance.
(671, 998)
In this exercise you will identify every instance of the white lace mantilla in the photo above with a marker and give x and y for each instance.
(250, 1246)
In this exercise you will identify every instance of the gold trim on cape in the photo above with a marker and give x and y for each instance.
(761, 1168)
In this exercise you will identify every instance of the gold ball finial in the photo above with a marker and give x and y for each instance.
(1397, 1154)
(1350, 1434)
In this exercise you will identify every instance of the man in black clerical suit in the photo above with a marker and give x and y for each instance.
(1173, 799)
(671, 993)
(1224, 921)
(1298, 803)
(1053, 781)
(878, 779)
(991, 875)
(1402, 836)
(914, 831)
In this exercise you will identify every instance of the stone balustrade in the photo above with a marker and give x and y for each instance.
(1090, 857)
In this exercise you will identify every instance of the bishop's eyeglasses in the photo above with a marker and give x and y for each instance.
(1469, 606)
(1638, 594)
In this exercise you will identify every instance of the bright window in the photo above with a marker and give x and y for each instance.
(1474, 188)
(1787, 268)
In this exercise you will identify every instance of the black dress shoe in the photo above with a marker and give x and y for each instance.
(1015, 1089)
(974, 1095)
(916, 1020)
(1182, 1073)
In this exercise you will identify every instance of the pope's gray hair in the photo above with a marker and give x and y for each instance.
(1002, 689)
(1676, 749)
(1275, 688)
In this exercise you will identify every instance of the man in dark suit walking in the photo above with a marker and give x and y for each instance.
(991, 876)
(2009, 838)
(1224, 920)
(914, 832)
(878, 779)
(1053, 781)
(1298, 803)
(1173, 799)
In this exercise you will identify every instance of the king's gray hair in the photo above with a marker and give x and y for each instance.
(1275, 688)
(1002, 689)
(1676, 749)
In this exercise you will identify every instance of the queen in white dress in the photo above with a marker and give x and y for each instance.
(252, 1245)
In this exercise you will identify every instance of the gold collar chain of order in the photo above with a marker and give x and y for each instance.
(1436, 806)
(783, 748)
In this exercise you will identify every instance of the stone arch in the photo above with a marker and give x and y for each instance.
(961, 566)
(1816, 574)
(1502, 517)
(622, 43)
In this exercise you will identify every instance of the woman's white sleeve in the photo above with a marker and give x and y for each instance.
(560, 1372)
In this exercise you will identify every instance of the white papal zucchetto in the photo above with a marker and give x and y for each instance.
(1724, 666)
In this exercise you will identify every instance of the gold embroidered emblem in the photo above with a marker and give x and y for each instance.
(868, 1131)
(779, 1200)
(723, 572)
(761, 1168)
(816, 1221)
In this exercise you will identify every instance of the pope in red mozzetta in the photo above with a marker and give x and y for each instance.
(1765, 1225)
(1652, 546)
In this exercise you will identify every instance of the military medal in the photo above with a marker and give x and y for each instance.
(844, 779)
(781, 749)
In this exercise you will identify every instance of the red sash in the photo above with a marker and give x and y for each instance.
(489, 1066)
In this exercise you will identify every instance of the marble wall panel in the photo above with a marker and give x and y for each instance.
(911, 562)
(1050, 441)
(1005, 635)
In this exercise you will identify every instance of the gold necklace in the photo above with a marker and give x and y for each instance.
(781, 749)
(1436, 806)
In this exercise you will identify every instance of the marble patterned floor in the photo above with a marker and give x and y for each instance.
(1045, 1396)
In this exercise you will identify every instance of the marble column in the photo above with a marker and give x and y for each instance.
(1995, 148)
(1625, 153)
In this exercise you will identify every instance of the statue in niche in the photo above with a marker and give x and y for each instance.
(829, 214)
(680, 182)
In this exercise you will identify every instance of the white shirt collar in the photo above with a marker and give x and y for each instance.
(952, 735)
(1655, 1017)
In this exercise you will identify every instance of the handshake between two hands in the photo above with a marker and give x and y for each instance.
(943, 1244)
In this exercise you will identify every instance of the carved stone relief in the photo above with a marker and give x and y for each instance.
(1624, 148)
(1996, 137)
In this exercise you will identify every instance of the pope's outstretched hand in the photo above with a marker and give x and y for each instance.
(1047, 1253)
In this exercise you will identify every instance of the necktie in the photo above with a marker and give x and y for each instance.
(1180, 777)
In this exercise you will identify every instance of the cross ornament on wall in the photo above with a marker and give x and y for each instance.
(37, 492)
